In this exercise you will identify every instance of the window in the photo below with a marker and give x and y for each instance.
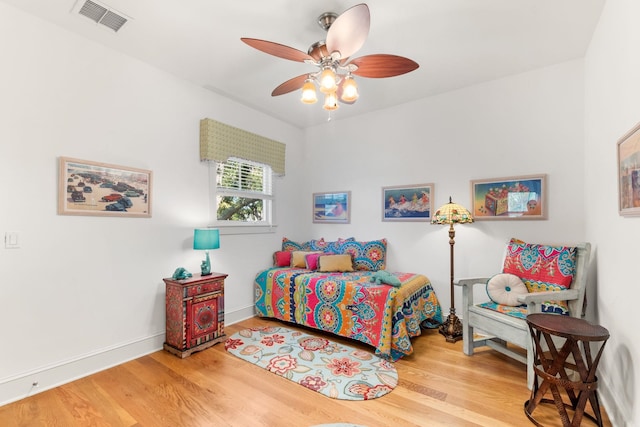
(243, 193)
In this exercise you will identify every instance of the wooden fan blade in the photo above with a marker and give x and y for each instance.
(349, 31)
(277, 49)
(290, 85)
(383, 65)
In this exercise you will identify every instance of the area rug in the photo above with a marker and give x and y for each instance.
(335, 370)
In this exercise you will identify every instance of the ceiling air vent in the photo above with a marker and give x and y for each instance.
(101, 14)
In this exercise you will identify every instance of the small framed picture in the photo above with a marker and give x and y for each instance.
(332, 207)
(100, 189)
(517, 197)
(407, 202)
(629, 173)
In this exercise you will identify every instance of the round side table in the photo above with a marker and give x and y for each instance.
(551, 364)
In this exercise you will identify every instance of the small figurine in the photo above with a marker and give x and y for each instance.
(383, 276)
(181, 273)
(205, 267)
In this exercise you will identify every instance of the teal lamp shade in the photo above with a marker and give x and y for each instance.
(206, 239)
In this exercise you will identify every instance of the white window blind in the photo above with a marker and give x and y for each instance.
(244, 192)
(243, 177)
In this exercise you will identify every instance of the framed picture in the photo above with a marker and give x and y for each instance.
(407, 202)
(518, 197)
(332, 207)
(629, 173)
(90, 188)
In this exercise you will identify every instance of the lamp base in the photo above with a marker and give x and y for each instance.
(205, 266)
(452, 327)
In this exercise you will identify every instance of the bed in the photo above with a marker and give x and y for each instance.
(344, 301)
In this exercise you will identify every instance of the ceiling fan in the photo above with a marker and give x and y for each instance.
(346, 33)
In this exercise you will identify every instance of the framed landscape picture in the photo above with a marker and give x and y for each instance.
(518, 197)
(333, 208)
(407, 202)
(91, 188)
(629, 173)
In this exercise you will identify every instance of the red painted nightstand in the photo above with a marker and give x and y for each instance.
(195, 313)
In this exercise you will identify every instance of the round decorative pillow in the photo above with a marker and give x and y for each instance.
(505, 288)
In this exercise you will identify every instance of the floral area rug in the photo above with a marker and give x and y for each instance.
(335, 370)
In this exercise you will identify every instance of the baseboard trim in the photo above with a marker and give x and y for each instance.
(26, 384)
(616, 410)
(239, 315)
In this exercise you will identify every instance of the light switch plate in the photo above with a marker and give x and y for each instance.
(11, 240)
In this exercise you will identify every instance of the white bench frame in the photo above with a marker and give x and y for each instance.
(500, 329)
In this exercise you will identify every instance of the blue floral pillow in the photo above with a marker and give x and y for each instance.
(323, 245)
(367, 256)
(290, 245)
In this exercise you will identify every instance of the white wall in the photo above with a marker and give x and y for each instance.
(612, 109)
(526, 124)
(84, 292)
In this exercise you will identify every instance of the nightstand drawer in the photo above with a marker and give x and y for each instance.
(204, 288)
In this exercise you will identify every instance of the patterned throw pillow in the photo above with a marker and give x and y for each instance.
(290, 245)
(368, 256)
(323, 245)
(542, 268)
(318, 244)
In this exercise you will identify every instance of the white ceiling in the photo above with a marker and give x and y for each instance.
(456, 43)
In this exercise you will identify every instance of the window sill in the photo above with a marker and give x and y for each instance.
(244, 229)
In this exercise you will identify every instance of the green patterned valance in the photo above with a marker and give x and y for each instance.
(219, 141)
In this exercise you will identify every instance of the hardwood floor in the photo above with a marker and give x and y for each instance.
(438, 386)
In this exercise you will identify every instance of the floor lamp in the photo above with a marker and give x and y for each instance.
(451, 213)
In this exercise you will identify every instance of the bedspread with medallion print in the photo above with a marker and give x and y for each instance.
(351, 306)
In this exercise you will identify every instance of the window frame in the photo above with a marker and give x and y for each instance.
(243, 227)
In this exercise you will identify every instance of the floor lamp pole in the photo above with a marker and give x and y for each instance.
(451, 328)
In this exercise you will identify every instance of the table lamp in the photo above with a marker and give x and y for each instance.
(451, 213)
(206, 239)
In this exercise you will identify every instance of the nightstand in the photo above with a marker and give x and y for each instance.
(195, 313)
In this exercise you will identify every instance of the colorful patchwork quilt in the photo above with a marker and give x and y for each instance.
(350, 305)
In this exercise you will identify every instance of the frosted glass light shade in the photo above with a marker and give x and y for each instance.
(349, 90)
(309, 93)
(330, 101)
(328, 81)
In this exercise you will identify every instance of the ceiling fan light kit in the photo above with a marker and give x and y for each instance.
(309, 92)
(328, 82)
(349, 90)
(335, 72)
(330, 101)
